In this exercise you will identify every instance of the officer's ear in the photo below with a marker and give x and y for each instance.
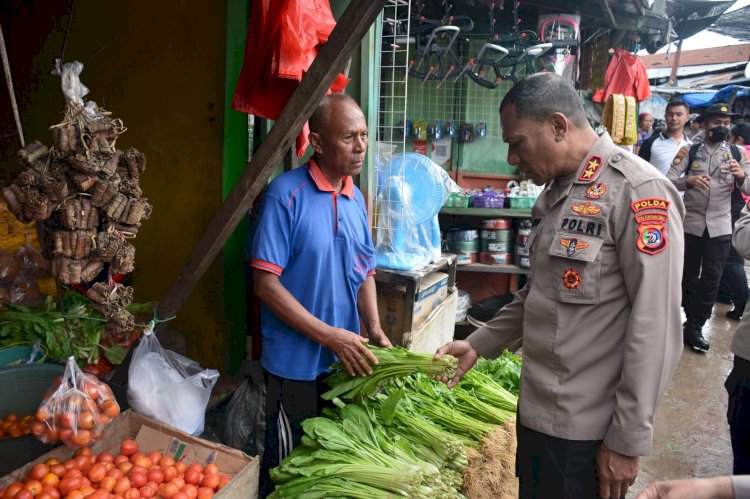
(560, 126)
(314, 138)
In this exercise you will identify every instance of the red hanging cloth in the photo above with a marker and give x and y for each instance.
(283, 39)
(626, 75)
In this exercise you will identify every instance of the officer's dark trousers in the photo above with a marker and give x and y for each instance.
(551, 467)
(738, 414)
(704, 263)
(288, 403)
(734, 281)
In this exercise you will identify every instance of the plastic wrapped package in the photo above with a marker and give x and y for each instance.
(10, 270)
(32, 263)
(462, 305)
(246, 412)
(75, 409)
(168, 387)
(25, 292)
(413, 190)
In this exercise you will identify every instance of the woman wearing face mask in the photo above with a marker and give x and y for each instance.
(708, 173)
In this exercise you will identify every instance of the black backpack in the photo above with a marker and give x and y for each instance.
(736, 154)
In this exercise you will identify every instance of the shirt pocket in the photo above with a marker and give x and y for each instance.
(575, 268)
(360, 261)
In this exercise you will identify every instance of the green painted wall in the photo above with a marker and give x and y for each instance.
(159, 66)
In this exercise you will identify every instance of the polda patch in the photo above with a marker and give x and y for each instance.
(571, 279)
(593, 165)
(649, 204)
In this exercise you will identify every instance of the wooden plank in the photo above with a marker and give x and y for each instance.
(608, 10)
(344, 38)
(639, 7)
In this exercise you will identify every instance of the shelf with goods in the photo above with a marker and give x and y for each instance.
(486, 212)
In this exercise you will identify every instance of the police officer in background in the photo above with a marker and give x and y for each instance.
(708, 173)
(600, 314)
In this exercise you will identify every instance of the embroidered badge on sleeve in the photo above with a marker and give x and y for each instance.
(680, 154)
(592, 167)
(649, 203)
(573, 245)
(652, 233)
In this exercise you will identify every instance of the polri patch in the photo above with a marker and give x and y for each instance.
(571, 279)
(650, 203)
(652, 233)
(586, 209)
(573, 245)
(593, 165)
(596, 191)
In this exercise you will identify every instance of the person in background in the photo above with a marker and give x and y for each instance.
(661, 147)
(738, 381)
(694, 130)
(313, 263)
(708, 173)
(719, 487)
(645, 120)
(600, 313)
(733, 287)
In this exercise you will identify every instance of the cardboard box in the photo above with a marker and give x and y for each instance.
(437, 330)
(153, 435)
(394, 306)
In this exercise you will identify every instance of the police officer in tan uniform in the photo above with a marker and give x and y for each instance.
(708, 176)
(600, 314)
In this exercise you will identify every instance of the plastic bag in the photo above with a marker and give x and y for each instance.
(10, 270)
(169, 387)
(25, 292)
(33, 264)
(75, 409)
(245, 424)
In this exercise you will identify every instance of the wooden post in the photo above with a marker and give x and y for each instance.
(675, 65)
(344, 38)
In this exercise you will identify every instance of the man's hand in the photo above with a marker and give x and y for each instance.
(736, 169)
(351, 350)
(719, 487)
(698, 181)
(616, 472)
(378, 337)
(466, 355)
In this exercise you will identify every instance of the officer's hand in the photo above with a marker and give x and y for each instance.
(616, 472)
(466, 355)
(377, 337)
(698, 181)
(693, 488)
(736, 169)
(351, 350)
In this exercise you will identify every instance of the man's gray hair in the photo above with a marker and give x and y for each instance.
(319, 118)
(543, 94)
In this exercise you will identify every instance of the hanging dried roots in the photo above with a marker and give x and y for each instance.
(491, 473)
(111, 300)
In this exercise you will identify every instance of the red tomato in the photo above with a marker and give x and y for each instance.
(58, 469)
(210, 481)
(12, 490)
(205, 495)
(105, 457)
(204, 490)
(190, 490)
(50, 479)
(211, 469)
(69, 484)
(138, 480)
(155, 456)
(84, 451)
(122, 486)
(39, 471)
(115, 473)
(223, 480)
(108, 483)
(128, 447)
(97, 472)
(132, 494)
(156, 476)
(169, 472)
(149, 490)
(180, 495)
(54, 492)
(23, 494)
(192, 476)
(166, 461)
(170, 489)
(180, 467)
(119, 459)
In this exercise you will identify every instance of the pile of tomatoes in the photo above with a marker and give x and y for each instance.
(75, 414)
(131, 474)
(12, 427)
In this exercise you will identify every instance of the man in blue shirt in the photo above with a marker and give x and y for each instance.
(313, 264)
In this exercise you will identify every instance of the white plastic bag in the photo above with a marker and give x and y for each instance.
(169, 387)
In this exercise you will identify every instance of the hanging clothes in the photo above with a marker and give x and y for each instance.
(626, 75)
(283, 39)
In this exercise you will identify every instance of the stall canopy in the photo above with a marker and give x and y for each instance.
(726, 94)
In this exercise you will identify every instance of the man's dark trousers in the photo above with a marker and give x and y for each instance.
(705, 258)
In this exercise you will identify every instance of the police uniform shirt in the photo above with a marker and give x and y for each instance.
(600, 314)
(741, 243)
(708, 208)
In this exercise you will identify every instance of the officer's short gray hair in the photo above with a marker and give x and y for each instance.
(542, 94)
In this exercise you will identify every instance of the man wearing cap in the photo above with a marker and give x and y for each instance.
(694, 130)
(708, 173)
(661, 147)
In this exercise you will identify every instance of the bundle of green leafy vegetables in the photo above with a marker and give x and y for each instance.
(409, 439)
(505, 370)
(67, 327)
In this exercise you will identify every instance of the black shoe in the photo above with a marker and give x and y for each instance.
(693, 338)
(734, 314)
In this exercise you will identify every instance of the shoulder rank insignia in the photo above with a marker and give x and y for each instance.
(652, 235)
(586, 209)
(650, 203)
(596, 191)
(571, 279)
(573, 245)
(591, 168)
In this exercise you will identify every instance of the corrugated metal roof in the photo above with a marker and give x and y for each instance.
(691, 70)
(714, 55)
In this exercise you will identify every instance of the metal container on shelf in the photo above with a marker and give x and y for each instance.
(491, 246)
(497, 224)
(522, 236)
(522, 257)
(496, 258)
(497, 235)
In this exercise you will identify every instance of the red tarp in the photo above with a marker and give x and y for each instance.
(626, 75)
(283, 39)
